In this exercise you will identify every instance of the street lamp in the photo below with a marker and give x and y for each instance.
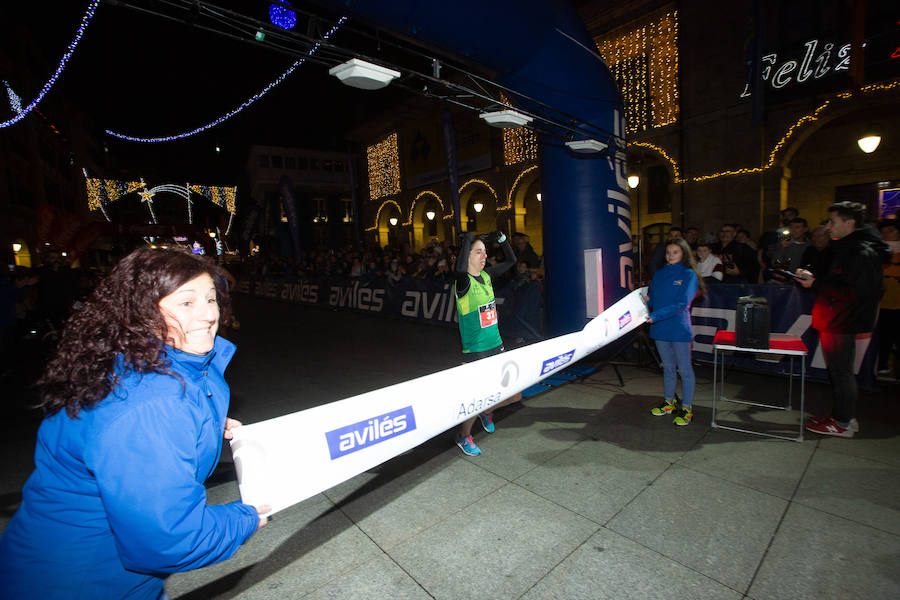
(869, 142)
(393, 221)
(16, 246)
(538, 196)
(478, 206)
(633, 181)
(212, 234)
(430, 215)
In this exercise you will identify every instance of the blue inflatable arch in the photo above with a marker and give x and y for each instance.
(541, 49)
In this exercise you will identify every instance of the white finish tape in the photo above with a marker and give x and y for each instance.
(288, 459)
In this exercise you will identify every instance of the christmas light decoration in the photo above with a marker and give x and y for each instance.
(412, 209)
(282, 16)
(384, 168)
(643, 58)
(378, 214)
(247, 103)
(519, 145)
(512, 188)
(102, 192)
(482, 182)
(62, 65)
(15, 103)
(664, 154)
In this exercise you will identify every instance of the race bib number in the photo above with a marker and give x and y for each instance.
(488, 314)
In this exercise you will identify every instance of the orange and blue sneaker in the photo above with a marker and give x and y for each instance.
(666, 407)
(487, 421)
(468, 446)
(683, 415)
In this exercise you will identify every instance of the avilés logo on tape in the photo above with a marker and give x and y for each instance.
(344, 440)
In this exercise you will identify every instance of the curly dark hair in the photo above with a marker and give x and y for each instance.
(120, 321)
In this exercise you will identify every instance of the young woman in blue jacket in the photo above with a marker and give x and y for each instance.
(135, 409)
(672, 290)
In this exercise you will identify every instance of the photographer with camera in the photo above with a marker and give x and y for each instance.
(787, 253)
(738, 259)
(477, 311)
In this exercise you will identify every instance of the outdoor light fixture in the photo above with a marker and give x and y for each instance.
(633, 181)
(505, 119)
(430, 215)
(538, 196)
(17, 246)
(212, 234)
(218, 149)
(868, 143)
(586, 146)
(478, 206)
(393, 221)
(363, 75)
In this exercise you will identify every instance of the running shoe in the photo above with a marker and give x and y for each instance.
(853, 426)
(487, 421)
(468, 446)
(666, 407)
(683, 415)
(830, 427)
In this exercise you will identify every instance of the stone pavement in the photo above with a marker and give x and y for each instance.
(580, 493)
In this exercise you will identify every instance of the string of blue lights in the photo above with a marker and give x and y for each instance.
(85, 20)
(228, 115)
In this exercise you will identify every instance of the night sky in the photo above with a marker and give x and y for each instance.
(144, 75)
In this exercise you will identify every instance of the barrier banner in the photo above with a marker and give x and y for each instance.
(791, 312)
(287, 459)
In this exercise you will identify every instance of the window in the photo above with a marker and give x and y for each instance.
(264, 161)
(277, 163)
(290, 162)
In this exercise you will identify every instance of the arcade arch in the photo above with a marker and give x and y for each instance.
(481, 218)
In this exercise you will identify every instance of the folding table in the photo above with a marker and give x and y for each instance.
(779, 343)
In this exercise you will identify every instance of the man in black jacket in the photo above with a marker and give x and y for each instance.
(847, 296)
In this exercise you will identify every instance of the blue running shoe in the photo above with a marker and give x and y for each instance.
(468, 446)
(487, 421)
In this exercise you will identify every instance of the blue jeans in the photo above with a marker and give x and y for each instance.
(677, 355)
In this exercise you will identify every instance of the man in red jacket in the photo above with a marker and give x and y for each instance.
(847, 296)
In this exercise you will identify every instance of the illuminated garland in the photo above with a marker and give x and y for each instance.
(383, 162)
(412, 209)
(62, 65)
(234, 111)
(643, 58)
(482, 182)
(808, 118)
(102, 192)
(512, 188)
(378, 214)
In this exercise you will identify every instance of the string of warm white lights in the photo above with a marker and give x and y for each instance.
(62, 65)
(643, 58)
(242, 106)
(383, 161)
(798, 124)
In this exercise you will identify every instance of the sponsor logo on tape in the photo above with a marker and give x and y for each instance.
(350, 438)
(557, 361)
(625, 319)
(509, 374)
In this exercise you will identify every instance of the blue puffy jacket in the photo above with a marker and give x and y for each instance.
(672, 290)
(116, 501)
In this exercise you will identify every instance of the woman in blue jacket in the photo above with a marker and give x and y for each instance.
(672, 290)
(135, 412)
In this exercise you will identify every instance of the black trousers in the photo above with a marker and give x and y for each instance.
(839, 350)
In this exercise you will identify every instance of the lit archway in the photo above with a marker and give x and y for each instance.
(423, 228)
(471, 194)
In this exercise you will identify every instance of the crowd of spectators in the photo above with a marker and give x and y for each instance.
(730, 255)
(435, 262)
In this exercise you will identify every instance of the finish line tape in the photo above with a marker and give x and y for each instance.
(288, 459)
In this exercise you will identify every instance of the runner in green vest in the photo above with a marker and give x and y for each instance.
(477, 312)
